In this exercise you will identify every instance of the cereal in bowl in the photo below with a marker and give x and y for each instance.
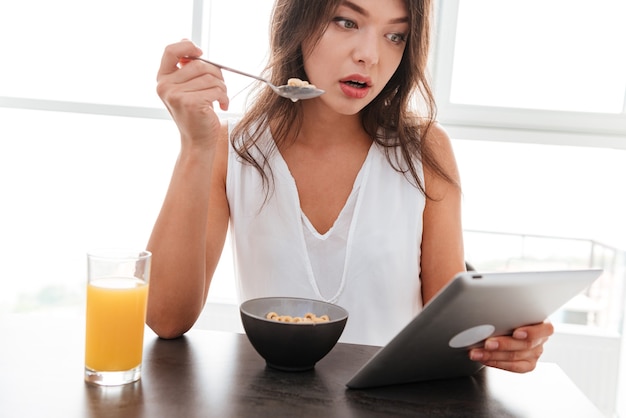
(307, 318)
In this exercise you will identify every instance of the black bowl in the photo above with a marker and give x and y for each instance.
(292, 346)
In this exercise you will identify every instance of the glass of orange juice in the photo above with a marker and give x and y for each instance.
(117, 295)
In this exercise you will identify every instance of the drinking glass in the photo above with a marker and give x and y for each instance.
(117, 295)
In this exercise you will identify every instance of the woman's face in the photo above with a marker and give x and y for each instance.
(358, 53)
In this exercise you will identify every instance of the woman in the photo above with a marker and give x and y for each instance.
(348, 197)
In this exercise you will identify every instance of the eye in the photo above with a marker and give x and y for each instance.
(345, 22)
(397, 38)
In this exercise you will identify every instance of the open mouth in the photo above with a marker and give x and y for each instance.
(356, 84)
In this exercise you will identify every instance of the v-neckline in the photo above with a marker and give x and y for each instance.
(348, 203)
(355, 186)
(358, 191)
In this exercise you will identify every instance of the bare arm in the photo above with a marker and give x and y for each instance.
(442, 240)
(189, 233)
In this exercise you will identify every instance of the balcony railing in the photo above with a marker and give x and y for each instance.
(601, 305)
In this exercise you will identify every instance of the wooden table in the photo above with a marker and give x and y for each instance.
(218, 374)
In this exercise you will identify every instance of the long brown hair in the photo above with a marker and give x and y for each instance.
(388, 119)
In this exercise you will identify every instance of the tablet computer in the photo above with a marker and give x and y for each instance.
(470, 308)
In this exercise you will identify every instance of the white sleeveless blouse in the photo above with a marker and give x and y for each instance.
(368, 262)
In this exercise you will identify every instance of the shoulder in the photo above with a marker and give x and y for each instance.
(438, 140)
(443, 173)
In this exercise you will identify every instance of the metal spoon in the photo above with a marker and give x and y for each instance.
(294, 93)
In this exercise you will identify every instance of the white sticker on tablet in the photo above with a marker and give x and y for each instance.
(471, 336)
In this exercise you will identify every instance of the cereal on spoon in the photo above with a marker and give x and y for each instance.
(296, 82)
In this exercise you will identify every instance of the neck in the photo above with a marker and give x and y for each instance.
(325, 130)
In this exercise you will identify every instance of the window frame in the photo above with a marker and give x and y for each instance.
(511, 124)
(197, 19)
(200, 35)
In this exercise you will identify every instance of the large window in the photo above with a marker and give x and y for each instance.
(536, 65)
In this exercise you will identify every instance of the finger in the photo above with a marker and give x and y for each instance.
(195, 93)
(210, 94)
(514, 351)
(197, 72)
(512, 344)
(212, 86)
(536, 331)
(514, 360)
(506, 343)
(517, 361)
(173, 54)
(203, 82)
(523, 366)
(523, 338)
(194, 77)
(215, 79)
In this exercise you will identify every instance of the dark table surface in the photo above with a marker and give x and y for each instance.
(218, 374)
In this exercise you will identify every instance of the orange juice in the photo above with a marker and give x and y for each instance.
(116, 314)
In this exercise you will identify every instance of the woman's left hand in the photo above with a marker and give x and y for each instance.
(517, 353)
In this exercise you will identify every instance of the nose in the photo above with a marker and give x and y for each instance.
(366, 50)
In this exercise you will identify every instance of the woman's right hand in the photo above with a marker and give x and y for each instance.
(189, 88)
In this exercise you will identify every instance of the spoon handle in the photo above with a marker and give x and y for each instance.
(232, 70)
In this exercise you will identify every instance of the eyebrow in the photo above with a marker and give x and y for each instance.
(364, 12)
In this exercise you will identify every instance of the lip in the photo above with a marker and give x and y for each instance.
(355, 92)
